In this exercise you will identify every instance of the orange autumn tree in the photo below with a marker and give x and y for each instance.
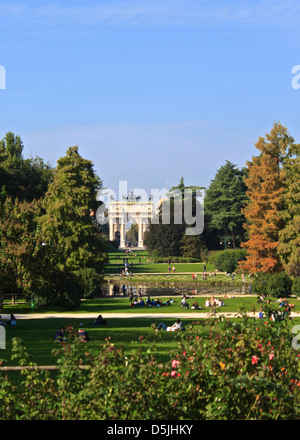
(265, 199)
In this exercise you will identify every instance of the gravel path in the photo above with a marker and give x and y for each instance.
(191, 315)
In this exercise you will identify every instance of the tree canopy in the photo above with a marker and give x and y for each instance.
(166, 233)
(265, 191)
(224, 201)
(289, 234)
(50, 245)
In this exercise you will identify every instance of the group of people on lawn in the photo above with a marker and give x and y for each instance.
(139, 301)
(82, 334)
(136, 301)
(213, 302)
(284, 308)
(11, 321)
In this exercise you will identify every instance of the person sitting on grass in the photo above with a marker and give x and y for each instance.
(83, 336)
(184, 303)
(11, 320)
(100, 320)
(195, 306)
(60, 335)
(178, 325)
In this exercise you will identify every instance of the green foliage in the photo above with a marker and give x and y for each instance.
(226, 370)
(174, 259)
(228, 261)
(212, 255)
(166, 233)
(260, 283)
(90, 282)
(72, 241)
(296, 287)
(289, 237)
(224, 200)
(66, 224)
(25, 179)
(20, 265)
(279, 285)
(193, 247)
(47, 233)
(165, 239)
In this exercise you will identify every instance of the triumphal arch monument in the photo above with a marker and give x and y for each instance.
(122, 212)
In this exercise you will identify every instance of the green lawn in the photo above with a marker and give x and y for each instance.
(121, 305)
(149, 268)
(138, 263)
(177, 278)
(38, 334)
(108, 305)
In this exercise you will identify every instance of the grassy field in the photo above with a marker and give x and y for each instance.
(138, 263)
(37, 334)
(108, 305)
(176, 278)
(121, 305)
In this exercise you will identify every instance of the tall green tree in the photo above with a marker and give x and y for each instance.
(183, 190)
(224, 200)
(24, 179)
(73, 243)
(194, 247)
(289, 235)
(166, 233)
(69, 233)
(164, 237)
(20, 266)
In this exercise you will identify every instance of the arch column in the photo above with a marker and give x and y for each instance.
(141, 229)
(112, 228)
(122, 233)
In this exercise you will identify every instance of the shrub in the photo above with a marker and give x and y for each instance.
(90, 282)
(68, 290)
(228, 261)
(296, 287)
(212, 255)
(259, 283)
(279, 285)
(177, 260)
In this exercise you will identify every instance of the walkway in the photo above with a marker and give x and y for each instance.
(183, 315)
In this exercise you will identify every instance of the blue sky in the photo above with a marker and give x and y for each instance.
(150, 90)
